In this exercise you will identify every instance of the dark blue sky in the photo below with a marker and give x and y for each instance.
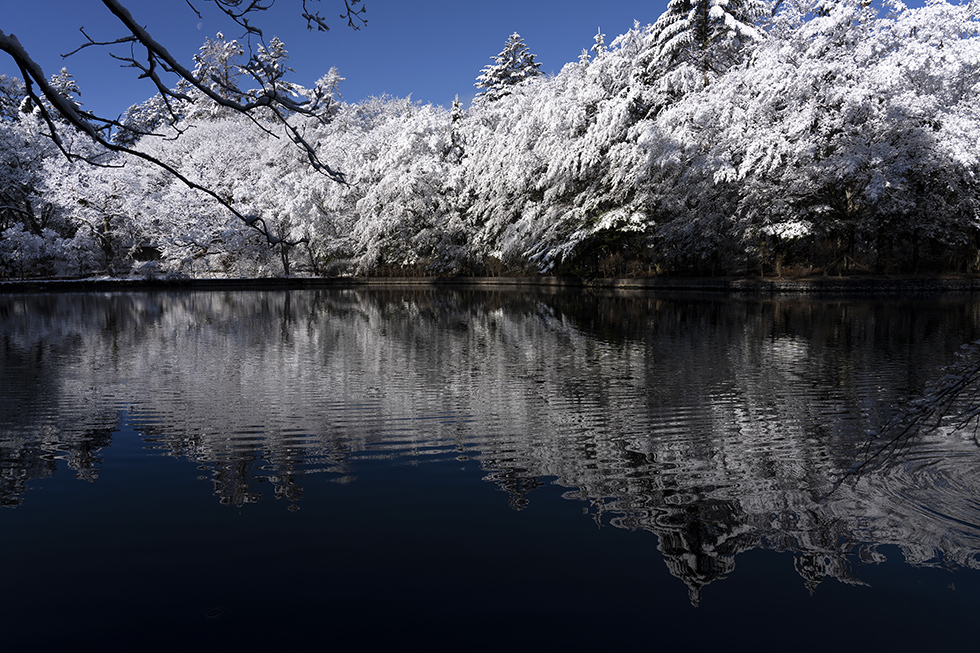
(431, 49)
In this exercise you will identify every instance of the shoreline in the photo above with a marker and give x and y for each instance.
(722, 285)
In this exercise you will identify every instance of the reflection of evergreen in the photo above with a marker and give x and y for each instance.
(700, 540)
(517, 483)
(238, 473)
(84, 455)
(234, 481)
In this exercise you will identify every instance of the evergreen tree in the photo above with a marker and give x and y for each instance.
(706, 33)
(600, 43)
(511, 67)
(457, 111)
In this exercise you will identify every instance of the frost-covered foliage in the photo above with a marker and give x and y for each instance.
(514, 66)
(37, 234)
(829, 136)
(849, 141)
(11, 96)
(549, 173)
(398, 212)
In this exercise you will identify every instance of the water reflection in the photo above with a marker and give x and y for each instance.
(720, 425)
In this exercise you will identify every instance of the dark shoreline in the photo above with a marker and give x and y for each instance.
(728, 285)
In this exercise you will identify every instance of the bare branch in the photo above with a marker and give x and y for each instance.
(157, 53)
(194, 9)
(354, 16)
(231, 9)
(32, 74)
(91, 42)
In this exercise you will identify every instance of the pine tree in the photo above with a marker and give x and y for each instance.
(706, 32)
(511, 67)
(600, 43)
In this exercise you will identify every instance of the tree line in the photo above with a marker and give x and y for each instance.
(738, 137)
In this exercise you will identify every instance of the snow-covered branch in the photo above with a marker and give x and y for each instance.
(277, 97)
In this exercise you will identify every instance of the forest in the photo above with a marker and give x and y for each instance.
(729, 137)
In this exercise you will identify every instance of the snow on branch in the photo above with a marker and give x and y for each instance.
(152, 59)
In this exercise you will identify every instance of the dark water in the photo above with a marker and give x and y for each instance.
(481, 471)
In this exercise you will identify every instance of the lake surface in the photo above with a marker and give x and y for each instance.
(482, 470)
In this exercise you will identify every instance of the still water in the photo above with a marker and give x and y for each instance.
(483, 470)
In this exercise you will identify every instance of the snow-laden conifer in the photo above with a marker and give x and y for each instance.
(705, 33)
(600, 43)
(514, 65)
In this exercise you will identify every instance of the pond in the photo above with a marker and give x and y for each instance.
(483, 469)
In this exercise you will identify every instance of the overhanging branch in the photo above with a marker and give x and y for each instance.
(59, 110)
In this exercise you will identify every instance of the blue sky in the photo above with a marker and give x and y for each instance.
(431, 49)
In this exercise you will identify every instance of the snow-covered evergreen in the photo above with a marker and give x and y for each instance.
(703, 32)
(513, 66)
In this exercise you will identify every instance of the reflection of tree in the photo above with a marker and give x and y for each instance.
(700, 541)
(38, 368)
(233, 478)
(815, 566)
(716, 424)
(517, 483)
(24, 459)
(84, 454)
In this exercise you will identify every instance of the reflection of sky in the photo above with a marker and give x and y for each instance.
(719, 426)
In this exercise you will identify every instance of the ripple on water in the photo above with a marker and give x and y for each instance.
(732, 415)
(929, 492)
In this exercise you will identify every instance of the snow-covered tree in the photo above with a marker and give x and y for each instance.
(848, 143)
(37, 237)
(848, 140)
(513, 66)
(103, 207)
(706, 34)
(600, 43)
(12, 94)
(214, 79)
(549, 173)
(217, 66)
(398, 213)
